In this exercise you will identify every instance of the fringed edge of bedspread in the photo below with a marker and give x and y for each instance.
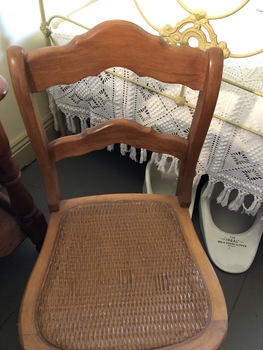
(238, 202)
(169, 164)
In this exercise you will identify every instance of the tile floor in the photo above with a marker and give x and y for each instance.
(243, 292)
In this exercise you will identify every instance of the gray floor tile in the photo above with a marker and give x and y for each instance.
(231, 285)
(14, 272)
(246, 319)
(8, 334)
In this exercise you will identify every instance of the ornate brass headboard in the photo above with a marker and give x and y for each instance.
(197, 25)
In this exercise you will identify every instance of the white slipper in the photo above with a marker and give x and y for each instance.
(159, 182)
(232, 238)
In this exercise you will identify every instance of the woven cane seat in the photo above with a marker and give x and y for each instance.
(118, 285)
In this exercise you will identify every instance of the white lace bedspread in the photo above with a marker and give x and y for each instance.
(231, 155)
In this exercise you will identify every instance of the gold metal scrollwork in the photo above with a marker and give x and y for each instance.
(199, 28)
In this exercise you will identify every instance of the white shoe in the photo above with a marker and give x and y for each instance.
(232, 238)
(159, 182)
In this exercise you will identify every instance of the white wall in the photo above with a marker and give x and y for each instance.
(19, 25)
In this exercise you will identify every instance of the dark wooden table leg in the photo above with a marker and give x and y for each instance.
(19, 204)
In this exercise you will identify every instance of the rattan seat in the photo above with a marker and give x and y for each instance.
(120, 271)
(145, 278)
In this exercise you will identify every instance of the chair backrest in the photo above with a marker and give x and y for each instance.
(116, 44)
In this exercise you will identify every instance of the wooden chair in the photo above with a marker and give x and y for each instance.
(120, 271)
(19, 217)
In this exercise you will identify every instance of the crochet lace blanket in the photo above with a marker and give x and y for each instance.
(231, 154)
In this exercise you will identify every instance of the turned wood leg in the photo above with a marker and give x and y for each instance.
(30, 220)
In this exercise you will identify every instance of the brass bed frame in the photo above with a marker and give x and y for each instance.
(196, 25)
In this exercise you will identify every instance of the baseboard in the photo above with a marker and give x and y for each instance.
(22, 150)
